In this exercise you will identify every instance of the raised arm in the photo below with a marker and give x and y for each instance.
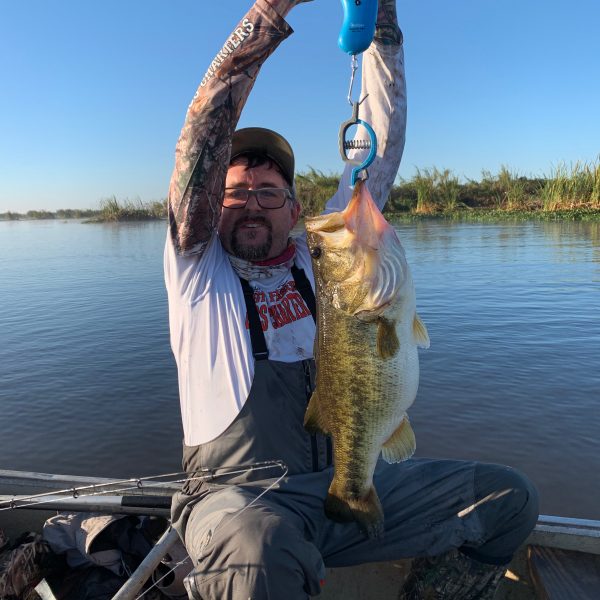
(384, 109)
(204, 146)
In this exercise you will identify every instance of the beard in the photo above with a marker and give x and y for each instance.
(247, 251)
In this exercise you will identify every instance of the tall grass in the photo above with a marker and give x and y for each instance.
(511, 189)
(573, 192)
(314, 188)
(432, 191)
(436, 190)
(448, 187)
(568, 192)
(573, 187)
(113, 210)
(424, 182)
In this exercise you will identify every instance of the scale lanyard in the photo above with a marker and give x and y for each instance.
(354, 68)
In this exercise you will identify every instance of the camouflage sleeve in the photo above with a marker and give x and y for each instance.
(384, 81)
(387, 30)
(204, 147)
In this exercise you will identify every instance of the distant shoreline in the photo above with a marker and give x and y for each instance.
(477, 215)
(111, 211)
(571, 193)
(481, 215)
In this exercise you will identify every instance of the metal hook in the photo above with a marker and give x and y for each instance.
(354, 67)
(346, 145)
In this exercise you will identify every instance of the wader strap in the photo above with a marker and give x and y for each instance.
(257, 337)
(304, 288)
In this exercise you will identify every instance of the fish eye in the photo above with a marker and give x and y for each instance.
(316, 252)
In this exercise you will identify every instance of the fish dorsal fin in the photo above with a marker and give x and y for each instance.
(401, 445)
(388, 343)
(314, 421)
(420, 335)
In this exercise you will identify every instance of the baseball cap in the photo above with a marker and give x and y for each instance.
(268, 142)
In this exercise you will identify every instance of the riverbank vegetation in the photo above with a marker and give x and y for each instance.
(66, 213)
(113, 210)
(569, 192)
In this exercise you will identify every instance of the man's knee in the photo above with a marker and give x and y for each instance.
(507, 504)
(257, 554)
(511, 488)
(259, 537)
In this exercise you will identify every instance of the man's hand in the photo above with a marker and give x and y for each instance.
(387, 30)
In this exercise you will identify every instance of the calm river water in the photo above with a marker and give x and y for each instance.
(88, 384)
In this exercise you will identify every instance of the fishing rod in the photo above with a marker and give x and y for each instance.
(92, 498)
(134, 584)
(356, 35)
(113, 504)
(81, 495)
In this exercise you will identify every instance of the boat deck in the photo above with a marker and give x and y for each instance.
(560, 560)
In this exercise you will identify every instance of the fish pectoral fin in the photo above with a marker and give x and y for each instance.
(388, 343)
(420, 334)
(314, 421)
(401, 445)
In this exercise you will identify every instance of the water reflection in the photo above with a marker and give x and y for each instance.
(513, 371)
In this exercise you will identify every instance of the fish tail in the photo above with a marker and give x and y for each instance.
(366, 511)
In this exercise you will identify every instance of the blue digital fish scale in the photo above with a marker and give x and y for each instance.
(358, 27)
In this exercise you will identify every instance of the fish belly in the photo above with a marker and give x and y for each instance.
(362, 399)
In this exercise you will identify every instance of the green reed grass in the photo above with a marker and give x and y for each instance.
(448, 189)
(569, 192)
(425, 182)
(113, 210)
(511, 189)
(571, 187)
(314, 188)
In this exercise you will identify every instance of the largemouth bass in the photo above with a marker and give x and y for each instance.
(368, 332)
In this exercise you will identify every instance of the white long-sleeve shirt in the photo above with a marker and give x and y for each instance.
(207, 313)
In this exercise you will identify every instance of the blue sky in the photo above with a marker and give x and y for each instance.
(93, 94)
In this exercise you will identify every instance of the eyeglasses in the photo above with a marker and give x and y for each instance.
(266, 197)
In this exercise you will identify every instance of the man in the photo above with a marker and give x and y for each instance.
(241, 309)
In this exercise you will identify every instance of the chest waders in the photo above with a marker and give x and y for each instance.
(270, 424)
(285, 543)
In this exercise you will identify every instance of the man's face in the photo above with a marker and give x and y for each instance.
(252, 232)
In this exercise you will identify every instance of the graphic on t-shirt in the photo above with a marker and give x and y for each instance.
(279, 307)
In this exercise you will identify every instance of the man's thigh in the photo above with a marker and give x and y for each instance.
(245, 546)
(209, 513)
